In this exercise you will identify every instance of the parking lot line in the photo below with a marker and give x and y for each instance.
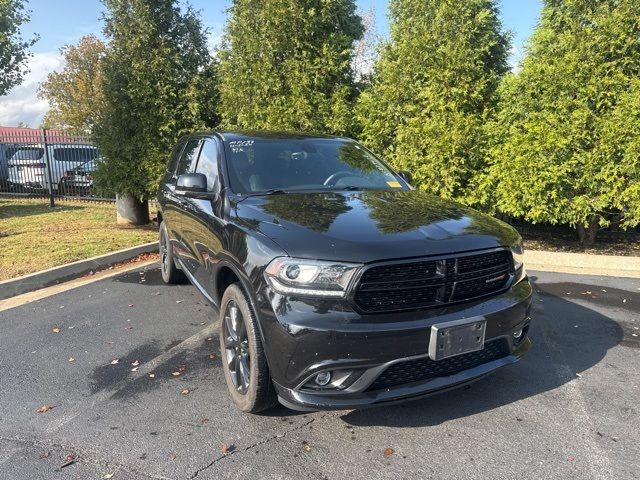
(29, 297)
(144, 369)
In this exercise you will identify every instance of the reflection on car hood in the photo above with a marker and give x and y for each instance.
(371, 225)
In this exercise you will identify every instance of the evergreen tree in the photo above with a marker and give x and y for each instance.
(434, 90)
(14, 50)
(567, 130)
(286, 65)
(156, 54)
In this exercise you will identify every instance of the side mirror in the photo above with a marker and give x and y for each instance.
(406, 176)
(192, 182)
(194, 185)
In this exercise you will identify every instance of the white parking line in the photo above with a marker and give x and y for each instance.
(29, 297)
(596, 458)
(144, 370)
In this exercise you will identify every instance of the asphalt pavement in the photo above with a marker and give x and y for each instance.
(130, 371)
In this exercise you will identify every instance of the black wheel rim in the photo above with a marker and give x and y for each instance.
(164, 253)
(236, 347)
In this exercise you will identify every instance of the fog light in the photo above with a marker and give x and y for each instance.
(323, 378)
(518, 334)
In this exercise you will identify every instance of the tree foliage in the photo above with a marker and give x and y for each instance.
(434, 90)
(156, 56)
(75, 93)
(287, 65)
(567, 133)
(14, 50)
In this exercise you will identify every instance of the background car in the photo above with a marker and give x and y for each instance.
(6, 152)
(27, 167)
(79, 180)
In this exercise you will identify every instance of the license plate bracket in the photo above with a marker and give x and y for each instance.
(457, 337)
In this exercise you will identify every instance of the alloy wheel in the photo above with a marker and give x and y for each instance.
(236, 346)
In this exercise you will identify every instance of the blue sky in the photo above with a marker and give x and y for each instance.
(59, 22)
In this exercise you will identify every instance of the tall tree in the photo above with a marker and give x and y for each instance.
(434, 90)
(155, 55)
(75, 93)
(286, 65)
(569, 151)
(14, 50)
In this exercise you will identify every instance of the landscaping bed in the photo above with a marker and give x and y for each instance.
(35, 237)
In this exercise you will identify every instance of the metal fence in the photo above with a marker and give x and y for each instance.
(47, 164)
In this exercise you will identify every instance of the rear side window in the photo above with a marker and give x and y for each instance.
(208, 163)
(28, 153)
(76, 155)
(188, 158)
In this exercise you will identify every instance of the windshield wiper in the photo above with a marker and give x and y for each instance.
(271, 191)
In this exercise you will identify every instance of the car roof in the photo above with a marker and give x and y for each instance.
(231, 135)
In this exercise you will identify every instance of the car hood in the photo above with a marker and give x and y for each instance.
(371, 225)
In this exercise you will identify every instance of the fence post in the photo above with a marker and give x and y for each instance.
(48, 163)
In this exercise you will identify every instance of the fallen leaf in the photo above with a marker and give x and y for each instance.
(44, 408)
(388, 452)
(306, 447)
(114, 361)
(185, 392)
(135, 364)
(135, 369)
(56, 330)
(212, 356)
(225, 449)
(44, 454)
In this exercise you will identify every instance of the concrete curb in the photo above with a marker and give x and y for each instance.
(52, 276)
(582, 263)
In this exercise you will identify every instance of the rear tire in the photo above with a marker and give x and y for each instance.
(171, 274)
(241, 347)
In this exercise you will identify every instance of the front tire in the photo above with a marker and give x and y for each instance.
(170, 273)
(243, 359)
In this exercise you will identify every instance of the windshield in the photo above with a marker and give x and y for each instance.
(28, 153)
(298, 164)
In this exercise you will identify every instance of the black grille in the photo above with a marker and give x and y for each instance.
(428, 283)
(424, 368)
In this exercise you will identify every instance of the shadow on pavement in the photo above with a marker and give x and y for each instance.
(567, 339)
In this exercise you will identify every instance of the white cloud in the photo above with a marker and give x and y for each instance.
(22, 103)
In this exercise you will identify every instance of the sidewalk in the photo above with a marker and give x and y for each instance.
(582, 263)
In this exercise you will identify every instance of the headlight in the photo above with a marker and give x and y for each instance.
(517, 251)
(297, 276)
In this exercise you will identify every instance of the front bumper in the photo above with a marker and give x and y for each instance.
(303, 338)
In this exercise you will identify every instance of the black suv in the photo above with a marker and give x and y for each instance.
(339, 286)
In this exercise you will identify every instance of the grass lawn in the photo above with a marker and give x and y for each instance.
(35, 237)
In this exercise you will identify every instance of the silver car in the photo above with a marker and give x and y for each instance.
(28, 165)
